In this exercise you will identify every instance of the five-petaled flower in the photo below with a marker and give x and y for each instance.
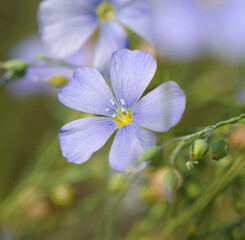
(132, 117)
(65, 25)
(42, 78)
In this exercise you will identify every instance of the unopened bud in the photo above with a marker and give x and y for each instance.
(118, 184)
(170, 184)
(198, 149)
(15, 69)
(57, 81)
(220, 149)
(62, 195)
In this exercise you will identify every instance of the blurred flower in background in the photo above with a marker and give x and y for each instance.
(66, 25)
(42, 77)
(187, 29)
(131, 73)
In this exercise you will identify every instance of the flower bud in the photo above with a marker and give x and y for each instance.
(62, 195)
(117, 184)
(157, 182)
(198, 149)
(220, 149)
(170, 183)
(15, 69)
(57, 81)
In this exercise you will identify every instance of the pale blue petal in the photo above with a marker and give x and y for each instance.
(65, 25)
(180, 31)
(88, 92)
(228, 35)
(162, 108)
(130, 73)
(81, 138)
(112, 38)
(36, 79)
(129, 144)
(138, 17)
(90, 3)
(118, 3)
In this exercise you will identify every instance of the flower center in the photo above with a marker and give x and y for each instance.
(121, 115)
(105, 12)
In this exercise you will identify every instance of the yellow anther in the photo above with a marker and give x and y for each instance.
(124, 119)
(57, 81)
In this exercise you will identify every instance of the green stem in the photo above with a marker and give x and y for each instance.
(185, 139)
(47, 154)
(55, 61)
(206, 130)
(201, 204)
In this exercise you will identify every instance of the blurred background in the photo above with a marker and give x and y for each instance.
(44, 197)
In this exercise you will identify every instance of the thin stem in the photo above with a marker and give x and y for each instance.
(233, 128)
(185, 139)
(211, 131)
(55, 61)
(175, 153)
(201, 204)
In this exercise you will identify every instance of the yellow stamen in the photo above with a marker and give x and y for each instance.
(105, 12)
(125, 118)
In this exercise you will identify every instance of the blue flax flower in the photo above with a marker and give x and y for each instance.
(130, 72)
(186, 29)
(65, 25)
(38, 78)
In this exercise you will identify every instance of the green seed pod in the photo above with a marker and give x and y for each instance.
(57, 81)
(15, 69)
(62, 195)
(170, 183)
(220, 149)
(199, 149)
